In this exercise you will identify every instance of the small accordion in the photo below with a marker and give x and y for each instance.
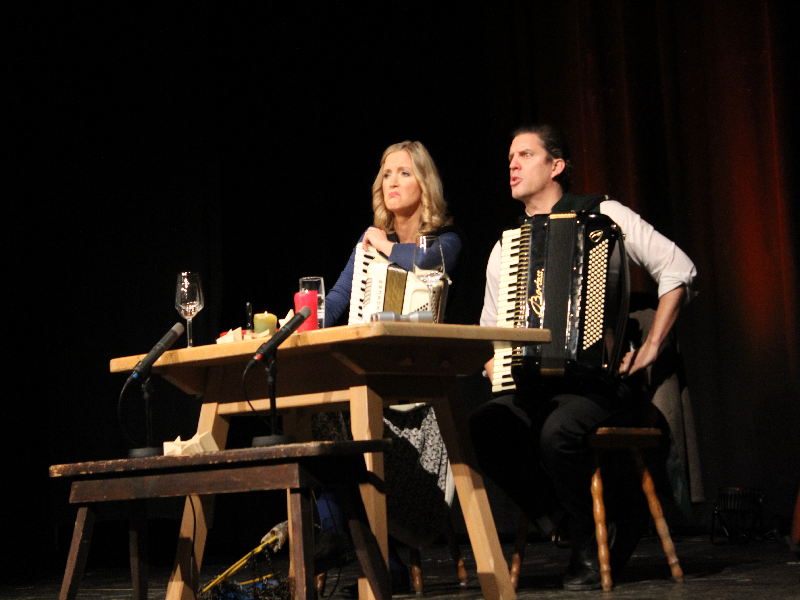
(566, 272)
(380, 286)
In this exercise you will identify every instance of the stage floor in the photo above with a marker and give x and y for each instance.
(760, 569)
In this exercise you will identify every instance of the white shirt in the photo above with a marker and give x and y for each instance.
(667, 264)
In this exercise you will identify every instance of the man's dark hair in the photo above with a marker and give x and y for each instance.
(555, 143)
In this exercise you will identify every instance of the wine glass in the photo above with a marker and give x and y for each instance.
(189, 299)
(429, 264)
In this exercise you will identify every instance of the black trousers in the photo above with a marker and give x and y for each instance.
(533, 446)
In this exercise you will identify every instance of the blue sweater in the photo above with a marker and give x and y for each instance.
(337, 300)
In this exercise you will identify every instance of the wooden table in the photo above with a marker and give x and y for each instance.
(360, 368)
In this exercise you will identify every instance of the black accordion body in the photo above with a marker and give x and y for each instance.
(566, 272)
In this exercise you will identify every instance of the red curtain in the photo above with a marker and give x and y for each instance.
(681, 110)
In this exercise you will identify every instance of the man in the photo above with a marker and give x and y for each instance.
(532, 444)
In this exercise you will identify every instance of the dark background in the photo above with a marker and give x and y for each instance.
(142, 140)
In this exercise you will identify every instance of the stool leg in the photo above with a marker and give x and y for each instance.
(601, 532)
(658, 517)
(455, 551)
(416, 570)
(137, 533)
(518, 556)
(322, 580)
(78, 551)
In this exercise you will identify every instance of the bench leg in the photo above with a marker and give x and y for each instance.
(301, 546)
(137, 532)
(78, 551)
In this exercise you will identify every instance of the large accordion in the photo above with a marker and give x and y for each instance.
(566, 272)
(380, 286)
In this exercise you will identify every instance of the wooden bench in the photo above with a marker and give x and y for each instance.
(293, 467)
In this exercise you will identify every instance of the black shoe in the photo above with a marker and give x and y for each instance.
(583, 572)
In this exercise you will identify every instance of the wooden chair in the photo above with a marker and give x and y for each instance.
(633, 439)
(612, 438)
(659, 382)
(455, 554)
(293, 467)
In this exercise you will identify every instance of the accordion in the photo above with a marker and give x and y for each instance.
(566, 272)
(379, 286)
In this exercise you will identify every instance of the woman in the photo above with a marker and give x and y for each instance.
(407, 201)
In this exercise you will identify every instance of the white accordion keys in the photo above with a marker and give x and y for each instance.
(511, 246)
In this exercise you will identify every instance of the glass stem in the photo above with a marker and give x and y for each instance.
(189, 332)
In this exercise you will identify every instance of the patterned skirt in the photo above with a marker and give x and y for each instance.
(419, 483)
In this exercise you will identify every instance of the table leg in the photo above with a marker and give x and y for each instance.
(492, 566)
(366, 420)
(198, 511)
(191, 545)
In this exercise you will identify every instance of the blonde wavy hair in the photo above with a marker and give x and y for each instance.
(434, 208)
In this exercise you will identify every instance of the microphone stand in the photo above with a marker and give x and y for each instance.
(276, 438)
(150, 449)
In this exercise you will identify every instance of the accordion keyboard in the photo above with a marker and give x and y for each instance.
(358, 290)
(510, 302)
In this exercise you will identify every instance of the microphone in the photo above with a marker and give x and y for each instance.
(142, 370)
(271, 345)
(421, 316)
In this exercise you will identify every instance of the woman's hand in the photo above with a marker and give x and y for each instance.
(378, 240)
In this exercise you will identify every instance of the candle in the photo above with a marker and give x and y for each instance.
(306, 298)
(265, 322)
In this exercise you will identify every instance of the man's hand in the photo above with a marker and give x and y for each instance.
(636, 360)
(489, 366)
(378, 240)
(669, 306)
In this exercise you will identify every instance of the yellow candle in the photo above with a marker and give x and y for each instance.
(265, 321)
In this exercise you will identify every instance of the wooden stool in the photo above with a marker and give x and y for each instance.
(293, 467)
(633, 438)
